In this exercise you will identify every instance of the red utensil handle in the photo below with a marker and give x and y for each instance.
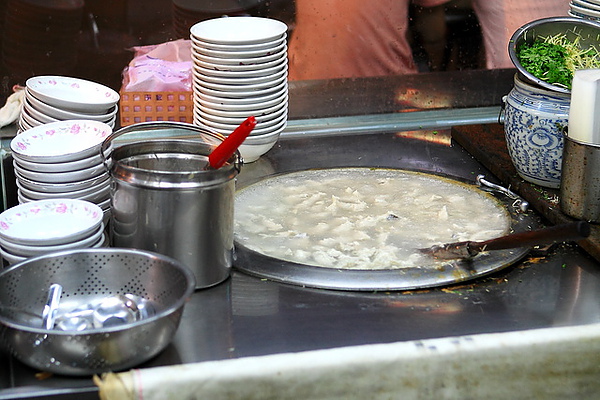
(219, 156)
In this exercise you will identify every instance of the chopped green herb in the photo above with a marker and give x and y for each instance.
(546, 61)
(555, 59)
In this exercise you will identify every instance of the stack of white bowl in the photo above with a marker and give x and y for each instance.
(588, 9)
(240, 70)
(57, 98)
(62, 160)
(45, 226)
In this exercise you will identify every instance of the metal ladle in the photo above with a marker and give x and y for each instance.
(469, 249)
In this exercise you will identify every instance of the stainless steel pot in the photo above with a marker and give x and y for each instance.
(164, 200)
(580, 182)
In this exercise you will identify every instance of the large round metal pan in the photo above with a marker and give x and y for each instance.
(455, 271)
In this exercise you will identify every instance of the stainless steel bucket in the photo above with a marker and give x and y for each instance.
(580, 181)
(163, 200)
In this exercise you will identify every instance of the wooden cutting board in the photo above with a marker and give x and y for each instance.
(488, 145)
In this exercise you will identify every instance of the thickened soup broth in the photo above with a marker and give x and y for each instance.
(362, 218)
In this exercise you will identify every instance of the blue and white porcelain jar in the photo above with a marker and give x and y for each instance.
(535, 120)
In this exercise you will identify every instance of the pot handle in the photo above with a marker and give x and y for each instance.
(522, 204)
(106, 147)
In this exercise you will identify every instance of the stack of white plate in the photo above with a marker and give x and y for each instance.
(240, 70)
(46, 226)
(62, 160)
(588, 9)
(57, 98)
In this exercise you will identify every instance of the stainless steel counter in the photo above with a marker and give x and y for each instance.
(247, 316)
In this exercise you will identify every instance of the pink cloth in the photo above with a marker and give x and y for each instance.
(351, 38)
(499, 19)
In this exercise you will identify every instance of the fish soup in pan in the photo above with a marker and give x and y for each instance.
(361, 228)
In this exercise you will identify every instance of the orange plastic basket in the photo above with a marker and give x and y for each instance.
(135, 107)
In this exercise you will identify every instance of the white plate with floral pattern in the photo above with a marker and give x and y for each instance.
(60, 141)
(89, 193)
(24, 250)
(73, 94)
(61, 166)
(46, 113)
(50, 222)
(61, 177)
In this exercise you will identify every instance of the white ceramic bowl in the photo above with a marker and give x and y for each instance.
(11, 258)
(49, 222)
(199, 97)
(240, 87)
(60, 167)
(257, 62)
(24, 250)
(585, 11)
(61, 187)
(272, 111)
(237, 94)
(260, 129)
(104, 205)
(49, 111)
(30, 111)
(238, 30)
(244, 67)
(254, 147)
(224, 106)
(100, 196)
(95, 197)
(61, 177)
(227, 129)
(220, 80)
(84, 194)
(23, 125)
(263, 121)
(589, 4)
(216, 72)
(238, 46)
(73, 94)
(199, 49)
(29, 121)
(61, 141)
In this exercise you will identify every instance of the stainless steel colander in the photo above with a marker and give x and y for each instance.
(87, 275)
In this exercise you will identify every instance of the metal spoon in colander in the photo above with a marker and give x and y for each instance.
(51, 306)
(109, 311)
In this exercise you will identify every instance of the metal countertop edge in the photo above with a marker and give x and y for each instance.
(380, 123)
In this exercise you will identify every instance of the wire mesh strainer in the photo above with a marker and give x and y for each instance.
(88, 275)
